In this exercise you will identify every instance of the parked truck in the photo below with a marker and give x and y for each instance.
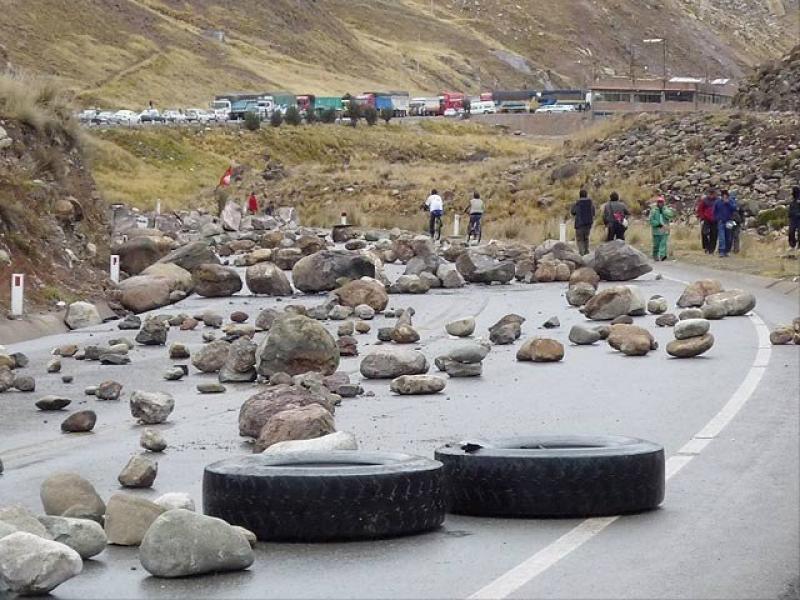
(323, 103)
(306, 103)
(400, 103)
(452, 100)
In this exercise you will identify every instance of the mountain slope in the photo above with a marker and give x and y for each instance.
(127, 52)
(773, 86)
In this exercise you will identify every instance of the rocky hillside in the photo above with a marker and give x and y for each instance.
(175, 51)
(774, 86)
(53, 224)
(755, 155)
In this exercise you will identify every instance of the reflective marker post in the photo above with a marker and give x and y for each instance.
(17, 294)
(562, 232)
(114, 268)
(344, 218)
(158, 207)
(456, 225)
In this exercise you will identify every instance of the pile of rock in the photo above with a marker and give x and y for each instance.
(465, 360)
(692, 338)
(786, 334)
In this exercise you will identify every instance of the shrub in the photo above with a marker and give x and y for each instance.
(276, 118)
(370, 115)
(354, 112)
(292, 116)
(328, 115)
(774, 218)
(387, 114)
(311, 117)
(252, 121)
(39, 103)
(467, 107)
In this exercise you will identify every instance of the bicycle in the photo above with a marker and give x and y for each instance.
(474, 230)
(437, 227)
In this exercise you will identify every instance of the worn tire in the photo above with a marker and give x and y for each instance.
(554, 476)
(315, 497)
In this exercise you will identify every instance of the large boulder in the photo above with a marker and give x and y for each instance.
(296, 344)
(479, 268)
(689, 328)
(267, 279)
(339, 440)
(181, 543)
(363, 291)
(689, 347)
(449, 276)
(70, 495)
(506, 330)
(695, 293)
(390, 363)
(240, 363)
(736, 302)
(326, 270)
(211, 357)
(231, 216)
(410, 284)
(215, 281)
(579, 293)
(295, 423)
(259, 408)
(31, 566)
(608, 304)
(540, 349)
(142, 293)
(557, 250)
(151, 408)
(617, 261)
(191, 256)
(128, 518)
(178, 278)
(138, 253)
(84, 536)
(631, 340)
(82, 314)
(154, 332)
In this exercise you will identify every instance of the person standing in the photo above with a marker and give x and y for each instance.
(739, 218)
(724, 209)
(615, 217)
(435, 206)
(660, 217)
(583, 211)
(708, 224)
(252, 203)
(794, 219)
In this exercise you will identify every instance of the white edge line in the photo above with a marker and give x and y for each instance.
(525, 572)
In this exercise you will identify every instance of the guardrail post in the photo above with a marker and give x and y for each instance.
(457, 225)
(114, 268)
(17, 294)
(343, 220)
(562, 232)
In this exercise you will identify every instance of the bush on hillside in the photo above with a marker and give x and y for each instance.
(467, 105)
(276, 118)
(387, 114)
(328, 115)
(354, 112)
(38, 103)
(311, 117)
(370, 115)
(292, 116)
(252, 121)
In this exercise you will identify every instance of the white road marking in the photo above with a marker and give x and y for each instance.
(525, 572)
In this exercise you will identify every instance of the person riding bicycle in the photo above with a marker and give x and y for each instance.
(435, 206)
(475, 210)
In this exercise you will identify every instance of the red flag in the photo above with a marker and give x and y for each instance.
(226, 177)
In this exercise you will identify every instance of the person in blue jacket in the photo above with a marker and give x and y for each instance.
(724, 211)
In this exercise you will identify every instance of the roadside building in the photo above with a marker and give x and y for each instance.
(678, 94)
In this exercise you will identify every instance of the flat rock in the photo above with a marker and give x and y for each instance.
(461, 327)
(417, 384)
(80, 421)
(128, 518)
(689, 347)
(689, 328)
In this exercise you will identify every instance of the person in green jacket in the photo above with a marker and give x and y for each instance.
(660, 217)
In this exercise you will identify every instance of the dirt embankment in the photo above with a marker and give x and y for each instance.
(775, 86)
(53, 224)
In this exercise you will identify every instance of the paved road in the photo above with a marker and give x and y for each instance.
(727, 529)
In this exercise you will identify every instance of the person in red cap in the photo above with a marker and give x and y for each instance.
(252, 204)
(660, 217)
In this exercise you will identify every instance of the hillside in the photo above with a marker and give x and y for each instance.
(161, 50)
(53, 224)
(773, 86)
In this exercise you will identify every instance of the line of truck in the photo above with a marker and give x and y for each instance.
(401, 104)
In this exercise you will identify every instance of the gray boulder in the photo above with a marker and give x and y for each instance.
(153, 332)
(180, 543)
(608, 304)
(30, 565)
(479, 268)
(390, 363)
(82, 314)
(259, 408)
(689, 328)
(211, 357)
(582, 335)
(128, 518)
(84, 536)
(191, 255)
(70, 495)
(151, 408)
(139, 472)
(329, 269)
(617, 261)
(461, 327)
(417, 384)
(579, 293)
(736, 302)
(215, 281)
(267, 279)
(296, 344)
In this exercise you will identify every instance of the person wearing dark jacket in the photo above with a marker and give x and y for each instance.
(583, 211)
(794, 218)
(708, 224)
(615, 218)
(724, 209)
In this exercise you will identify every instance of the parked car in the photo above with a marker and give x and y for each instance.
(86, 116)
(198, 115)
(102, 117)
(513, 106)
(556, 108)
(125, 117)
(151, 115)
(452, 112)
(173, 116)
(482, 107)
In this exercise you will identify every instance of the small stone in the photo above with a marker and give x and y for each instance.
(178, 351)
(666, 320)
(84, 536)
(364, 312)
(690, 347)
(689, 328)
(362, 327)
(239, 316)
(348, 345)
(782, 335)
(151, 408)
(67, 379)
(582, 335)
(405, 334)
(115, 359)
(346, 328)
(417, 384)
(130, 322)
(552, 323)
(24, 383)
(461, 327)
(189, 324)
(108, 390)
(690, 313)
(53, 403)
(385, 334)
(140, 472)
(541, 350)
(173, 500)
(657, 305)
(153, 332)
(90, 390)
(54, 366)
(210, 388)
(78, 422)
(349, 390)
(66, 350)
(152, 440)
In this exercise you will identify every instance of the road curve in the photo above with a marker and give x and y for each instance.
(728, 527)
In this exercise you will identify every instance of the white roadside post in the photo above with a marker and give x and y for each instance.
(344, 218)
(562, 232)
(158, 207)
(17, 294)
(456, 225)
(141, 222)
(114, 268)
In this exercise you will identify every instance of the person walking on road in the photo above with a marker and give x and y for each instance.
(708, 224)
(583, 211)
(435, 206)
(660, 217)
(724, 209)
(615, 217)
(794, 219)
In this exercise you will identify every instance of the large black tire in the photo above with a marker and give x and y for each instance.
(554, 476)
(315, 497)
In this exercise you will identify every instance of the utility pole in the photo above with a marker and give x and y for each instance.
(632, 72)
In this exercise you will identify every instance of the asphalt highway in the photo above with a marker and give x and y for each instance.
(728, 527)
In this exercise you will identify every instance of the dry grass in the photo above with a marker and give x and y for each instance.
(40, 103)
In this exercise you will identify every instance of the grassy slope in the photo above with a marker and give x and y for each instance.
(154, 49)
